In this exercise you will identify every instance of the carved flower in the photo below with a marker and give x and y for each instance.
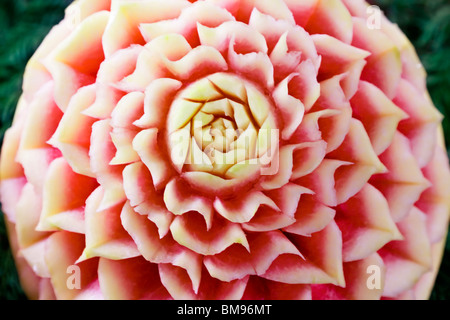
(225, 149)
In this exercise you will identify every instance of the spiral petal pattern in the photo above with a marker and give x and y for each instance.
(224, 149)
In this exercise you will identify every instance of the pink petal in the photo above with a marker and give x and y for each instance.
(322, 181)
(231, 264)
(140, 191)
(302, 11)
(80, 65)
(28, 208)
(128, 110)
(62, 251)
(356, 287)
(331, 17)
(12, 176)
(356, 149)
(379, 115)
(404, 182)
(244, 38)
(268, 219)
(190, 230)
(64, 191)
(241, 209)
(338, 58)
(41, 121)
(243, 9)
(122, 139)
(410, 257)
(292, 109)
(423, 122)
(304, 85)
(434, 200)
(157, 102)
(310, 217)
(180, 200)
(369, 230)
(146, 145)
(283, 291)
(105, 235)
(287, 198)
(122, 29)
(82, 50)
(309, 129)
(214, 289)
(412, 68)
(176, 281)
(322, 262)
(130, 279)
(255, 65)
(266, 247)
(204, 13)
(73, 135)
(307, 158)
(151, 62)
(161, 251)
(334, 128)
(384, 67)
(101, 152)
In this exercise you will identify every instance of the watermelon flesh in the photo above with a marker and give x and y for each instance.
(225, 150)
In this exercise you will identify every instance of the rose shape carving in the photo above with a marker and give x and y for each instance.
(225, 149)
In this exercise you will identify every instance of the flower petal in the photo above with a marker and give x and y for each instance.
(179, 200)
(130, 279)
(311, 216)
(292, 109)
(434, 201)
(334, 128)
(379, 115)
(322, 181)
(62, 251)
(384, 67)
(356, 288)
(370, 229)
(64, 192)
(140, 191)
(28, 210)
(356, 149)
(101, 152)
(156, 102)
(161, 251)
(73, 135)
(242, 209)
(122, 29)
(190, 231)
(322, 262)
(404, 182)
(105, 235)
(243, 38)
(204, 13)
(146, 145)
(410, 257)
(331, 17)
(423, 122)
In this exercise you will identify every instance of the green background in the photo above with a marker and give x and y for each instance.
(24, 23)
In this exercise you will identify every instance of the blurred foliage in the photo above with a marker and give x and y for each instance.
(24, 23)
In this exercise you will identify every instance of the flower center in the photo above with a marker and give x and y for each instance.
(221, 125)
